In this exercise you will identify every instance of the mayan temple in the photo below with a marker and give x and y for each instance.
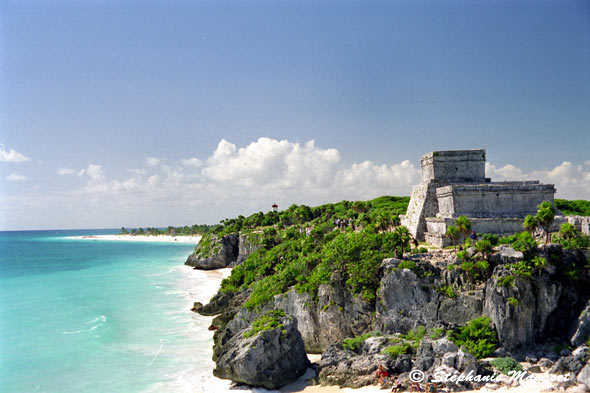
(453, 184)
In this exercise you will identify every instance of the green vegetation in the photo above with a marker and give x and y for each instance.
(506, 281)
(531, 224)
(453, 235)
(336, 240)
(170, 231)
(395, 350)
(446, 290)
(492, 238)
(476, 271)
(505, 365)
(513, 301)
(477, 337)
(570, 237)
(407, 265)
(484, 248)
(463, 226)
(545, 218)
(415, 335)
(268, 321)
(354, 344)
(573, 208)
(437, 333)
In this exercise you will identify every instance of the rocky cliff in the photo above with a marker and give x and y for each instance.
(219, 252)
(530, 307)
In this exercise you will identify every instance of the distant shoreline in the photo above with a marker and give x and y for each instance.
(142, 238)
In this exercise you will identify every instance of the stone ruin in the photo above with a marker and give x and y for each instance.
(454, 184)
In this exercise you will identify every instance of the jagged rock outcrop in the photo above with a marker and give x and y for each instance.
(228, 251)
(506, 254)
(269, 358)
(354, 369)
(349, 369)
(337, 314)
(520, 311)
(405, 300)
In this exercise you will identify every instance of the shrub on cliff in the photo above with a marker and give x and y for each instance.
(505, 365)
(477, 336)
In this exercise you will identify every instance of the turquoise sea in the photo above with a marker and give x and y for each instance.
(83, 315)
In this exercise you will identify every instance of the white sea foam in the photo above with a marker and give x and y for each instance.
(101, 318)
(75, 332)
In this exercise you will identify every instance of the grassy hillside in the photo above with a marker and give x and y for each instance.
(303, 246)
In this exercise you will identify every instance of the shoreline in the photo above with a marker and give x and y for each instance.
(142, 238)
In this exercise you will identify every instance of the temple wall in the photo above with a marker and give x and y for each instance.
(454, 166)
(508, 200)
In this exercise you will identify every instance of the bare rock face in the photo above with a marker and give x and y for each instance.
(270, 358)
(228, 251)
(582, 328)
(520, 324)
(337, 315)
(405, 302)
(506, 254)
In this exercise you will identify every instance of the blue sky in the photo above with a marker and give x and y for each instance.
(155, 113)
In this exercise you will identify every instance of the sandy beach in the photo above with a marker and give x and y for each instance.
(301, 385)
(542, 383)
(143, 238)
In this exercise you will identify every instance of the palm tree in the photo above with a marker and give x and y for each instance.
(531, 223)
(402, 240)
(545, 216)
(463, 225)
(567, 230)
(453, 235)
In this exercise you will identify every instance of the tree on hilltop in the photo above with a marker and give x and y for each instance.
(545, 217)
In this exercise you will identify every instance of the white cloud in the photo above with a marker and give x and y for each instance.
(12, 155)
(241, 180)
(270, 163)
(367, 180)
(65, 171)
(152, 161)
(15, 177)
(571, 181)
(193, 161)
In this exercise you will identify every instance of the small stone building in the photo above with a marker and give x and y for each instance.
(454, 184)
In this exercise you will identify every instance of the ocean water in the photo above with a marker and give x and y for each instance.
(81, 315)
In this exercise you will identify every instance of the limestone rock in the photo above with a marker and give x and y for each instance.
(584, 376)
(520, 325)
(229, 251)
(443, 346)
(340, 314)
(506, 254)
(405, 301)
(225, 250)
(272, 358)
(582, 332)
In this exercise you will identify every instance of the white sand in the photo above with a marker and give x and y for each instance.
(143, 238)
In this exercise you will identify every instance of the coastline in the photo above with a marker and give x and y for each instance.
(541, 384)
(142, 238)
